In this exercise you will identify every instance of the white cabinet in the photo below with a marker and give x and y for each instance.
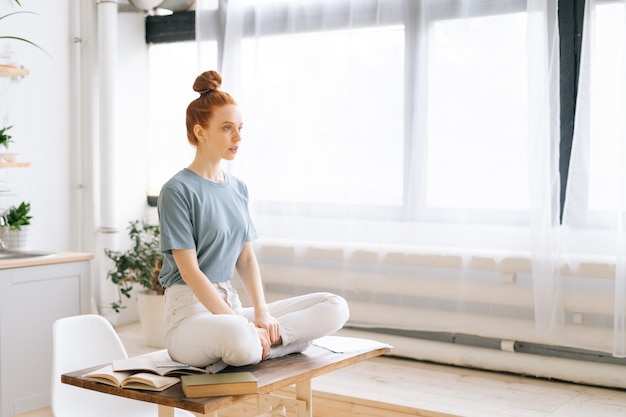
(31, 299)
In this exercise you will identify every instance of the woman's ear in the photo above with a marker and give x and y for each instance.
(198, 131)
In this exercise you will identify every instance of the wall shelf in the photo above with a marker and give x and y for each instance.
(10, 71)
(14, 164)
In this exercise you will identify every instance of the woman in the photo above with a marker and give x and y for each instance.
(207, 233)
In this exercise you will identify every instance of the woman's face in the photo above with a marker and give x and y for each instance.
(223, 134)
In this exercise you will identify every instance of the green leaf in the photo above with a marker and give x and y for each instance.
(5, 138)
(16, 217)
(25, 40)
(17, 38)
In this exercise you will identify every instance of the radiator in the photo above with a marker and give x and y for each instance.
(466, 309)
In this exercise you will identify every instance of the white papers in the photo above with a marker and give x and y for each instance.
(340, 344)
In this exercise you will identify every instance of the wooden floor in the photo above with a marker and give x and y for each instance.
(392, 387)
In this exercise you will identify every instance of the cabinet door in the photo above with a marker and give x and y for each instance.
(32, 299)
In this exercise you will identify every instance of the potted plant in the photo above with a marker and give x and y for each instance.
(5, 138)
(14, 224)
(140, 265)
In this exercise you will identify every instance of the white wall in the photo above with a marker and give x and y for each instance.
(133, 140)
(39, 110)
(132, 112)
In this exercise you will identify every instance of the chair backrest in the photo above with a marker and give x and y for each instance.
(79, 342)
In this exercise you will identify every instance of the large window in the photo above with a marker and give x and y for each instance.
(476, 139)
(326, 112)
(173, 69)
(607, 104)
(382, 111)
(596, 195)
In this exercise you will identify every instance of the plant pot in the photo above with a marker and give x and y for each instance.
(15, 239)
(151, 310)
(9, 157)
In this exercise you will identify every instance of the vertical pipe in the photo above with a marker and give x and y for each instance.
(107, 69)
(76, 128)
(107, 66)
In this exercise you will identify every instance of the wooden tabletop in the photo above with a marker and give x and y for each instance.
(272, 375)
(53, 258)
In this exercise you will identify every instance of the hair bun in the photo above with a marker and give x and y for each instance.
(207, 81)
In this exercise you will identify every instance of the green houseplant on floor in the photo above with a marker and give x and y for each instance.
(140, 265)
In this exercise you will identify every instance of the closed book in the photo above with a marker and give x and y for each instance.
(212, 385)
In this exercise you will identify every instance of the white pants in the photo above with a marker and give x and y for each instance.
(199, 338)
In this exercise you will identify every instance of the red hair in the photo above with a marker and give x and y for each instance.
(200, 110)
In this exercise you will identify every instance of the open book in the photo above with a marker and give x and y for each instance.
(135, 380)
(160, 365)
(155, 371)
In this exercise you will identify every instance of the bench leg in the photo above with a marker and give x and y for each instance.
(305, 394)
(166, 411)
(271, 405)
(263, 406)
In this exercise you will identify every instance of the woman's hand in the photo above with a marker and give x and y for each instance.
(250, 275)
(265, 341)
(268, 323)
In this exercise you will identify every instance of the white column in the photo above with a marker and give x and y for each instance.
(107, 69)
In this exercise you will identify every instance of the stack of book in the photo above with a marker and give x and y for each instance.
(157, 373)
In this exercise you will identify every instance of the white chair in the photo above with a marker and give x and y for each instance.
(80, 342)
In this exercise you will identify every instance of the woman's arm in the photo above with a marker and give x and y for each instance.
(187, 263)
(250, 275)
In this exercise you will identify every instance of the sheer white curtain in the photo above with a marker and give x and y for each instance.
(491, 111)
(595, 206)
(543, 168)
(381, 127)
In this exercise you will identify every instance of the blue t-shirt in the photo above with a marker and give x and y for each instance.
(210, 217)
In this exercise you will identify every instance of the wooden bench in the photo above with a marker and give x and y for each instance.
(273, 375)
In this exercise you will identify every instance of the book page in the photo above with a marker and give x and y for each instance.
(149, 381)
(107, 376)
(162, 365)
